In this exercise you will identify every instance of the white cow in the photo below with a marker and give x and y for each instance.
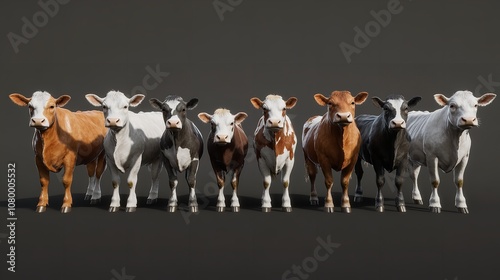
(133, 140)
(441, 140)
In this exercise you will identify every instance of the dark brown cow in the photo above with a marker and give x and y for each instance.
(227, 146)
(64, 139)
(332, 141)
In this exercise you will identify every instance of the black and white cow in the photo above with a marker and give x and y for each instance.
(385, 144)
(181, 145)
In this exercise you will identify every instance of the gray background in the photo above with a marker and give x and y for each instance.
(261, 47)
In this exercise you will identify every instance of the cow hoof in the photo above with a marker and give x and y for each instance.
(287, 209)
(130, 209)
(346, 210)
(314, 201)
(95, 201)
(435, 209)
(358, 199)
(329, 210)
(65, 210)
(172, 209)
(235, 209)
(87, 197)
(401, 208)
(41, 209)
(113, 209)
(266, 209)
(463, 210)
(193, 209)
(379, 209)
(151, 201)
(418, 201)
(220, 209)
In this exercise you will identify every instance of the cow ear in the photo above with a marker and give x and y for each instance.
(62, 100)
(94, 99)
(19, 99)
(441, 99)
(240, 117)
(135, 100)
(414, 101)
(486, 99)
(360, 97)
(290, 103)
(155, 103)
(192, 104)
(378, 102)
(204, 117)
(320, 99)
(256, 102)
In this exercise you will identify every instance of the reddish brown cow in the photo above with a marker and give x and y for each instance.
(64, 139)
(332, 141)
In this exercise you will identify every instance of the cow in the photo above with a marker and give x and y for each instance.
(133, 140)
(385, 144)
(181, 145)
(64, 139)
(274, 144)
(332, 141)
(441, 140)
(227, 146)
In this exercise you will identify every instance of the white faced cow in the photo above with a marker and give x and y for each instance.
(385, 144)
(133, 140)
(181, 144)
(441, 140)
(274, 144)
(227, 146)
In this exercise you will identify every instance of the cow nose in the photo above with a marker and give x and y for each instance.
(343, 117)
(37, 121)
(468, 121)
(113, 121)
(173, 122)
(274, 123)
(398, 124)
(222, 137)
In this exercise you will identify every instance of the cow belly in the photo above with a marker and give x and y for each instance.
(273, 162)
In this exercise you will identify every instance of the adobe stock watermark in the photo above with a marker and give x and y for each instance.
(372, 29)
(223, 6)
(122, 275)
(49, 9)
(486, 83)
(310, 264)
(151, 80)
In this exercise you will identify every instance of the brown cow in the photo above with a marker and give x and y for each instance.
(333, 141)
(64, 139)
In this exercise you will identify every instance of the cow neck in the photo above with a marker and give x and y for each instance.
(121, 133)
(343, 130)
(51, 132)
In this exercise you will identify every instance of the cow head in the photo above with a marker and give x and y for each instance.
(395, 110)
(174, 110)
(42, 107)
(274, 110)
(341, 105)
(223, 123)
(462, 107)
(115, 107)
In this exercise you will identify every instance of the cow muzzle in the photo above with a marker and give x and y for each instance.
(467, 122)
(397, 124)
(274, 124)
(222, 139)
(342, 119)
(174, 123)
(39, 123)
(114, 122)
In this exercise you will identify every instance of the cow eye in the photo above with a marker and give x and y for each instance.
(51, 106)
(475, 106)
(125, 107)
(232, 123)
(352, 103)
(104, 107)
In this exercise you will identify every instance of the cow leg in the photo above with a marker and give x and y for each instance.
(400, 200)
(101, 166)
(43, 173)
(69, 167)
(91, 170)
(346, 176)
(286, 204)
(172, 180)
(266, 174)
(458, 173)
(415, 195)
(221, 200)
(358, 195)
(312, 170)
(115, 181)
(132, 183)
(434, 201)
(327, 172)
(155, 168)
(191, 180)
(235, 203)
(380, 180)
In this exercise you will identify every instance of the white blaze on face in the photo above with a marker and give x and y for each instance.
(38, 103)
(173, 121)
(398, 118)
(274, 105)
(223, 121)
(115, 108)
